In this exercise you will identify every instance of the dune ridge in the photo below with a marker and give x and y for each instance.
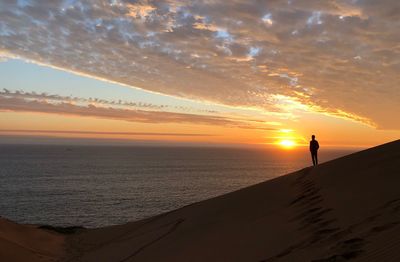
(345, 209)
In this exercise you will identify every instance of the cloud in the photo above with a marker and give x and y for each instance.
(70, 99)
(74, 132)
(337, 57)
(4, 56)
(41, 103)
(97, 101)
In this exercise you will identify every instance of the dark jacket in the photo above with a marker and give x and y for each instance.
(314, 146)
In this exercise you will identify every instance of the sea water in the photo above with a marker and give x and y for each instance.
(96, 186)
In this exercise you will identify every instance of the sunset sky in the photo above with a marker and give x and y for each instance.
(209, 72)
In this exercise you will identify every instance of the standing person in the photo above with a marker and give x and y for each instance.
(314, 150)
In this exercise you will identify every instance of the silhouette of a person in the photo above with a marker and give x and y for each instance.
(314, 150)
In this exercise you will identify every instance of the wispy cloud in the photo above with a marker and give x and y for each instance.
(96, 101)
(76, 132)
(336, 57)
(54, 104)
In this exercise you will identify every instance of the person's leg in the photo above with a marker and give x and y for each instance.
(313, 159)
(316, 158)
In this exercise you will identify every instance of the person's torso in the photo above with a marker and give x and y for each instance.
(314, 145)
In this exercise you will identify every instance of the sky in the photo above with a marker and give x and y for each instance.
(240, 72)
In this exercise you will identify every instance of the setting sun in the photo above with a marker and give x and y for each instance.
(287, 144)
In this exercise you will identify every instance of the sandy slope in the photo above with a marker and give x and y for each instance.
(28, 243)
(346, 209)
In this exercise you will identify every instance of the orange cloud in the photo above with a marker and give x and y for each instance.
(18, 104)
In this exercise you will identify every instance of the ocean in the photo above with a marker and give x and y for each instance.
(95, 186)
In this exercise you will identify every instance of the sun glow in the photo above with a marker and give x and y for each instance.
(287, 144)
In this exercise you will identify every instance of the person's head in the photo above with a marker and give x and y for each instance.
(313, 137)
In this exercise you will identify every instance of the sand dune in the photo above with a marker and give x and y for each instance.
(28, 243)
(345, 209)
